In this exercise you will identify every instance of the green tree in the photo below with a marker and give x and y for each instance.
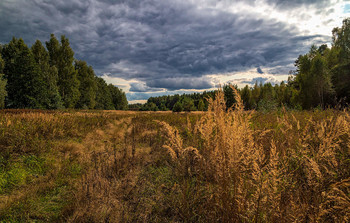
(188, 104)
(322, 80)
(246, 95)
(201, 105)
(3, 82)
(229, 95)
(62, 56)
(305, 82)
(87, 87)
(3, 92)
(255, 95)
(178, 107)
(49, 95)
(103, 95)
(53, 46)
(162, 107)
(24, 84)
(314, 79)
(118, 98)
(339, 61)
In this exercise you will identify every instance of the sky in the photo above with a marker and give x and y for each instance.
(163, 47)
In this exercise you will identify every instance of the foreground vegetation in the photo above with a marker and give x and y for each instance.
(218, 166)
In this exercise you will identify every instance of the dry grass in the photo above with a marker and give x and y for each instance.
(224, 165)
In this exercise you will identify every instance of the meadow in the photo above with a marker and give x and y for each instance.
(224, 165)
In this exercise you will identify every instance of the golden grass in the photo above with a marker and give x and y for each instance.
(224, 165)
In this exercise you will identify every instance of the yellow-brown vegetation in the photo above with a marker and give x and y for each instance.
(224, 165)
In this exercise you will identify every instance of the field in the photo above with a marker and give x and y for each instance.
(215, 166)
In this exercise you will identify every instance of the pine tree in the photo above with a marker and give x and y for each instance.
(103, 95)
(23, 82)
(118, 98)
(53, 46)
(246, 95)
(50, 97)
(229, 95)
(88, 85)
(62, 56)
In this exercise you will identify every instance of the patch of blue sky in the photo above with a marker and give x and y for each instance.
(347, 8)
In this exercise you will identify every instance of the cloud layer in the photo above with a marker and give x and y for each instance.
(168, 45)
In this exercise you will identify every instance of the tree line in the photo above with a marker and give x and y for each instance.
(51, 78)
(321, 79)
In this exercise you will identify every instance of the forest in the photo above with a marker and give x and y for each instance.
(51, 78)
(321, 79)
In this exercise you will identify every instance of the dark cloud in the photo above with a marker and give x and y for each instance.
(287, 4)
(166, 44)
(141, 87)
(261, 80)
(259, 70)
(180, 83)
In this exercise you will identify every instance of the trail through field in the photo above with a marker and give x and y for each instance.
(221, 166)
(94, 175)
(114, 164)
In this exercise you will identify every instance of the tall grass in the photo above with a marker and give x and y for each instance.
(297, 172)
(40, 158)
(224, 165)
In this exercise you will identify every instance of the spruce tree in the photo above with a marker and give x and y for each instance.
(103, 95)
(53, 46)
(50, 96)
(62, 56)
(21, 71)
(118, 98)
(88, 85)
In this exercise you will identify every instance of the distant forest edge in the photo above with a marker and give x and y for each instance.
(51, 78)
(321, 79)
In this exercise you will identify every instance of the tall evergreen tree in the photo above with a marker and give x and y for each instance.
(50, 97)
(23, 82)
(88, 85)
(246, 96)
(229, 95)
(53, 46)
(118, 98)
(62, 56)
(103, 95)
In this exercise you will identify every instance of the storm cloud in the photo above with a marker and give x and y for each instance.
(161, 45)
